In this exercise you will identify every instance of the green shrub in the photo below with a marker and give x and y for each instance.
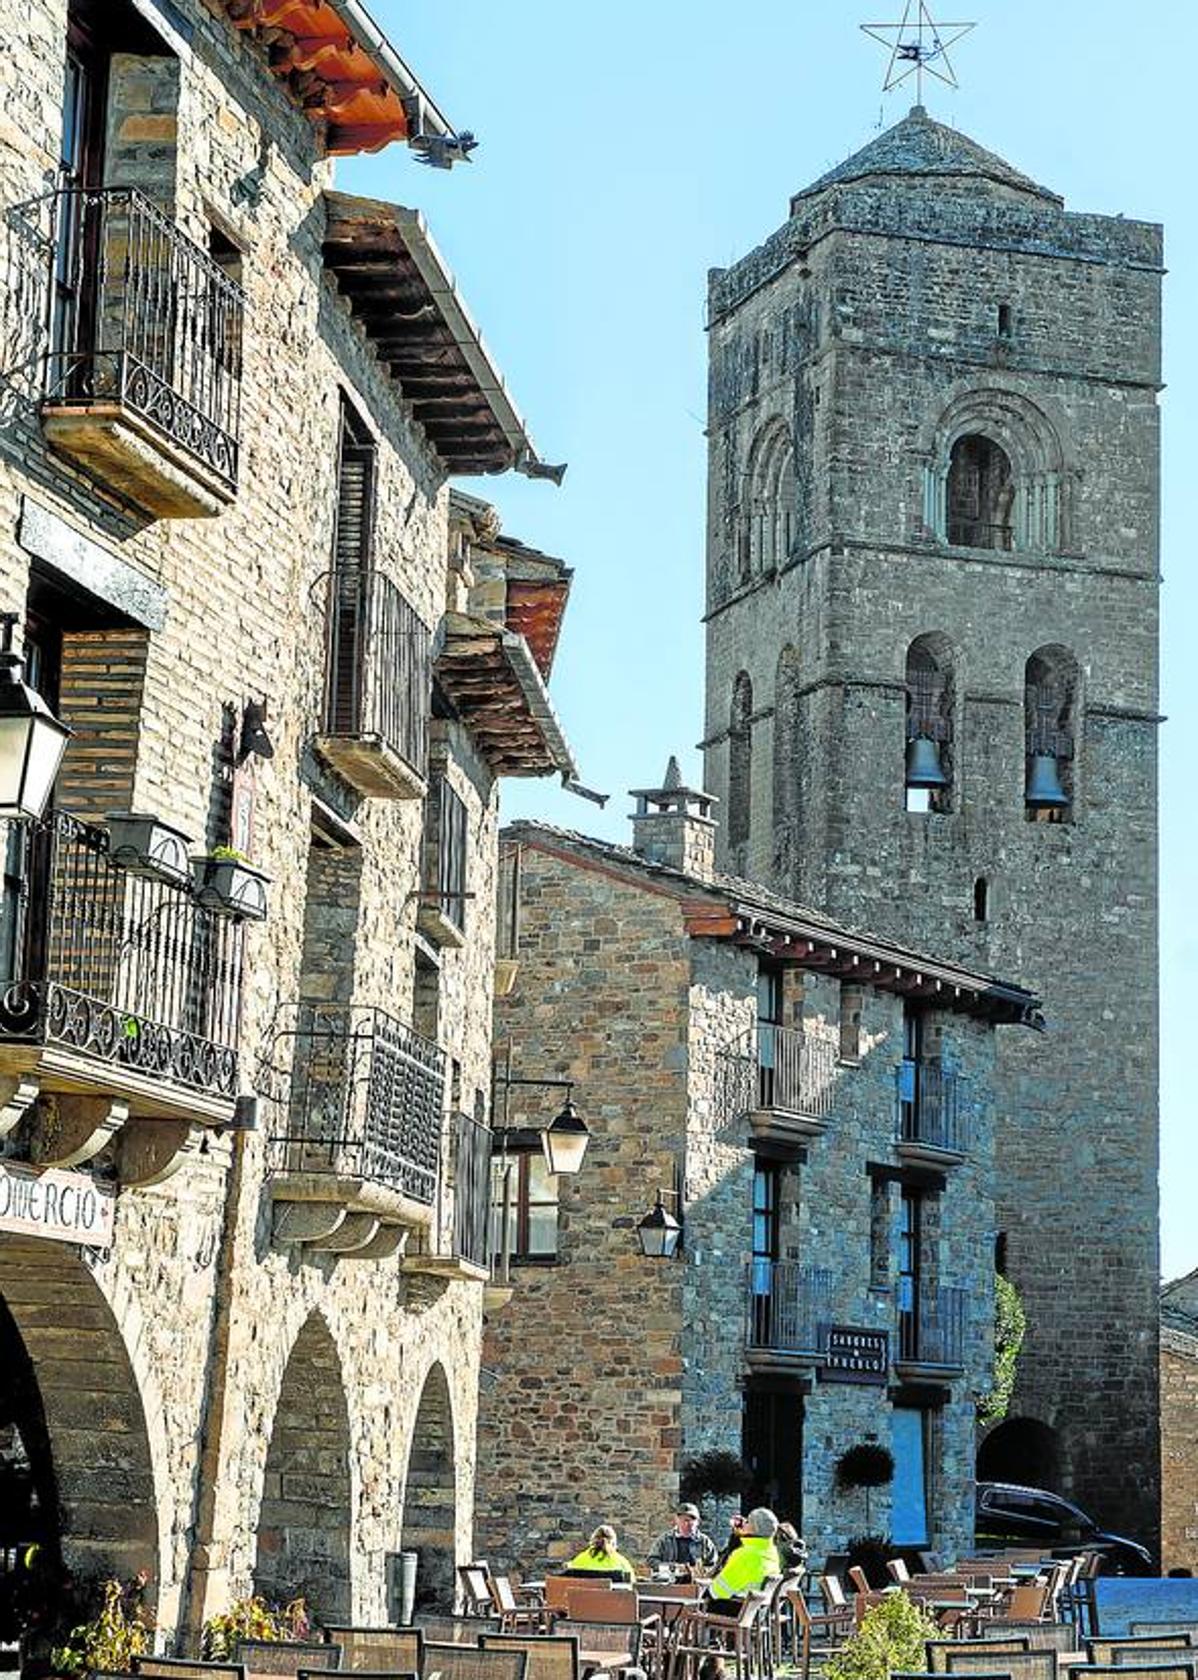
(1010, 1327)
(892, 1636)
(865, 1466)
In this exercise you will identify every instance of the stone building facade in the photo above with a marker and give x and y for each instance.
(932, 690)
(1179, 1423)
(243, 1184)
(752, 1061)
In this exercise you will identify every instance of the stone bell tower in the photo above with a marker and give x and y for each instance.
(932, 580)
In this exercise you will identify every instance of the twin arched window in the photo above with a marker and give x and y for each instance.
(981, 494)
(768, 519)
(996, 474)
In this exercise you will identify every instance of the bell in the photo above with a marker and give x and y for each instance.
(923, 764)
(1044, 790)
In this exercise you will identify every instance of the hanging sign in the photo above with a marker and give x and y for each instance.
(64, 1206)
(855, 1355)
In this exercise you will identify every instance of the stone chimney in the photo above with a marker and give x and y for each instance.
(673, 824)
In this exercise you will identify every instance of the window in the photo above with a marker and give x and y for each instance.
(444, 894)
(768, 535)
(909, 1271)
(767, 1233)
(879, 1233)
(981, 494)
(981, 899)
(740, 763)
(928, 770)
(353, 542)
(769, 1020)
(852, 1001)
(1050, 688)
(524, 1202)
(1004, 320)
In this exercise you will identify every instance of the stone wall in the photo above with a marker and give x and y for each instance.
(869, 326)
(221, 1327)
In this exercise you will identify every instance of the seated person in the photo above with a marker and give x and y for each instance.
(686, 1543)
(601, 1558)
(748, 1566)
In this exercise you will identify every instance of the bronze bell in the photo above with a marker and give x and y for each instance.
(923, 764)
(1044, 790)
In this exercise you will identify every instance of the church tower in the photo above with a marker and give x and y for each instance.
(932, 580)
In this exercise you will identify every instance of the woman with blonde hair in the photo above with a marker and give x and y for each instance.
(601, 1557)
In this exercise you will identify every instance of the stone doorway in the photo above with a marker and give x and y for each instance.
(306, 1516)
(1021, 1450)
(76, 1469)
(430, 1496)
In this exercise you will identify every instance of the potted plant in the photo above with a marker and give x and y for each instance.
(121, 1631)
(226, 883)
(145, 845)
(716, 1475)
(868, 1466)
(253, 1618)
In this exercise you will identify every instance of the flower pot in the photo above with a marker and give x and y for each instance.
(143, 844)
(230, 887)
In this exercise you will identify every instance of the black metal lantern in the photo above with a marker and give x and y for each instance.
(32, 739)
(565, 1140)
(659, 1233)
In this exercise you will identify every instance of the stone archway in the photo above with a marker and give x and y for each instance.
(306, 1516)
(70, 1396)
(430, 1496)
(1021, 1449)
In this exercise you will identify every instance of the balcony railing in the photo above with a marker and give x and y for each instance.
(378, 680)
(143, 319)
(787, 1305)
(930, 1107)
(471, 1190)
(363, 1102)
(782, 1069)
(123, 967)
(931, 1325)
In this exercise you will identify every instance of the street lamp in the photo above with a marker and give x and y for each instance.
(659, 1233)
(32, 740)
(564, 1140)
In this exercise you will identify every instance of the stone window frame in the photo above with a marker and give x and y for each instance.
(769, 515)
(1042, 477)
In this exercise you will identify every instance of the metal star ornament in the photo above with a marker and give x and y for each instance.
(916, 45)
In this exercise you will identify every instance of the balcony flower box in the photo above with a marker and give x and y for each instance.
(230, 887)
(145, 845)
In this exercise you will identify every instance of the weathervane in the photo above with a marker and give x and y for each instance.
(916, 45)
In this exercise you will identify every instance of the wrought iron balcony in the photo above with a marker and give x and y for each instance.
(787, 1306)
(359, 1098)
(931, 1112)
(783, 1080)
(464, 1248)
(143, 372)
(378, 683)
(117, 975)
(931, 1327)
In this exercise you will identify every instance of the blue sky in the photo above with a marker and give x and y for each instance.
(626, 148)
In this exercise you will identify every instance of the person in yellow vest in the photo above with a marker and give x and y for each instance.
(748, 1566)
(601, 1557)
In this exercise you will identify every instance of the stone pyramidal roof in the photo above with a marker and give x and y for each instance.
(919, 149)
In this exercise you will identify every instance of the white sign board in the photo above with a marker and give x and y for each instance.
(65, 1206)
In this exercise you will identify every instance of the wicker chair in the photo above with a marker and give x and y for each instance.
(1020, 1665)
(471, 1662)
(180, 1668)
(622, 1639)
(599, 1604)
(1159, 1657)
(938, 1651)
(551, 1656)
(381, 1650)
(1100, 1649)
(455, 1630)
(266, 1656)
(1145, 1669)
(1152, 1629)
(1040, 1636)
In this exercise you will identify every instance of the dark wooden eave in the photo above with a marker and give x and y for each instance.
(385, 263)
(493, 683)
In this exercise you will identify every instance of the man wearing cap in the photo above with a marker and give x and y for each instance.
(686, 1543)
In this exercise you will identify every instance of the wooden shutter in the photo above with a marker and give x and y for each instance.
(349, 596)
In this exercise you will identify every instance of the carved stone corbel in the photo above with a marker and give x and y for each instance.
(355, 1232)
(18, 1092)
(68, 1130)
(151, 1151)
(387, 1240)
(306, 1222)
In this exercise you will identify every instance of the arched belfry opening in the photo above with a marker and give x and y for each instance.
(76, 1461)
(430, 1495)
(740, 768)
(307, 1497)
(1050, 705)
(928, 768)
(768, 529)
(981, 494)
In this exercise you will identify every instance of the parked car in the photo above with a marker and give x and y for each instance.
(1009, 1515)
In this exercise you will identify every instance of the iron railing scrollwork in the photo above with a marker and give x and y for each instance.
(128, 968)
(361, 1096)
(931, 1106)
(780, 1068)
(931, 1324)
(378, 664)
(471, 1190)
(787, 1304)
(140, 316)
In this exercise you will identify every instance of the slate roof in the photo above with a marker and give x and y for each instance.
(920, 148)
